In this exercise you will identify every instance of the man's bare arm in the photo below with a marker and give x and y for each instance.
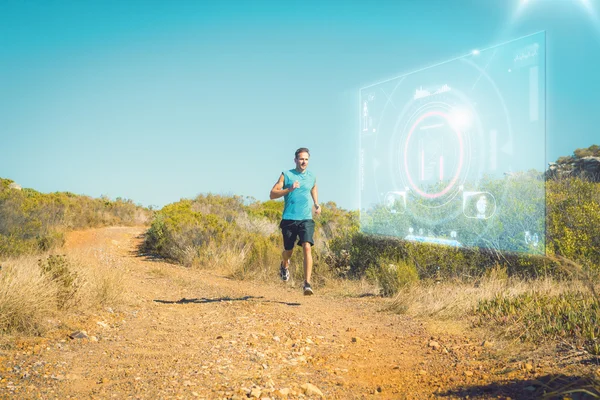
(314, 192)
(278, 190)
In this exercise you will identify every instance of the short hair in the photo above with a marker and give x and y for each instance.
(301, 150)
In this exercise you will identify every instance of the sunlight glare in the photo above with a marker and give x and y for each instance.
(586, 6)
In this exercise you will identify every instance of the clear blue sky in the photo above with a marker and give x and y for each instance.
(161, 100)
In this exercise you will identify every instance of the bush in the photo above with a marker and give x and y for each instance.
(32, 291)
(262, 260)
(442, 262)
(573, 227)
(60, 271)
(181, 234)
(392, 275)
(27, 298)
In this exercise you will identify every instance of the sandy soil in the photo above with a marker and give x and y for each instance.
(189, 333)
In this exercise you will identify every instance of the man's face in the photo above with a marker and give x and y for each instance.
(301, 161)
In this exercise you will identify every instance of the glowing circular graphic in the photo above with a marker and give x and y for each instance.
(445, 130)
(438, 155)
(460, 157)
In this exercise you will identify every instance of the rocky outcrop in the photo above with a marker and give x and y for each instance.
(585, 167)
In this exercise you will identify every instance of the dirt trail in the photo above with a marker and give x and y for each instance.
(186, 333)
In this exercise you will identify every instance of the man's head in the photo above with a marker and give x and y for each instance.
(301, 159)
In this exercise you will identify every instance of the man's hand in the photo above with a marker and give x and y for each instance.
(317, 209)
(295, 186)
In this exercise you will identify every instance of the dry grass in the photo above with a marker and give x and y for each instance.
(231, 260)
(159, 272)
(30, 296)
(587, 387)
(455, 299)
(104, 287)
(256, 225)
(27, 297)
(104, 284)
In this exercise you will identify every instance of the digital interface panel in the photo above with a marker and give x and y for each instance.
(454, 154)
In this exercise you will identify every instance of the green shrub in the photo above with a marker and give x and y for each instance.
(392, 275)
(60, 271)
(181, 234)
(592, 151)
(263, 258)
(271, 209)
(535, 316)
(573, 227)
(436, 261)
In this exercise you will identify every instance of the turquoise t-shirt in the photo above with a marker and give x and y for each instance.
(298, 204)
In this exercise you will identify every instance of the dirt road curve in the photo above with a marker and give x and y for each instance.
(196, 334)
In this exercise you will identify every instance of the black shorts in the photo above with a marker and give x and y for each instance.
(292, 229)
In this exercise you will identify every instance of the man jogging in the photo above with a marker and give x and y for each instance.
(297, 186)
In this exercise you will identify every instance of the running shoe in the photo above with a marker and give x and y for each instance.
(284, 273)
(307, 289)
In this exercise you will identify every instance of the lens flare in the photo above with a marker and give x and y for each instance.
(460, 118)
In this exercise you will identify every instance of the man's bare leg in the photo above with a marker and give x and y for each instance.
(284, 272)
(308, 262)
(286, 255)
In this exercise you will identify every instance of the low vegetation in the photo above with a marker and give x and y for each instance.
(592, 151)
(33, 291)
(536, 316)
(36, 283)
(241, 235)
(32, 222)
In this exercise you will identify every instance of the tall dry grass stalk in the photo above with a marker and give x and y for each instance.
(105, 287)
(27, 297)
(30, 295)
(231, 259)
(104, 282)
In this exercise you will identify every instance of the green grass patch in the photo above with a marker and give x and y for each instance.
(536, 316)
